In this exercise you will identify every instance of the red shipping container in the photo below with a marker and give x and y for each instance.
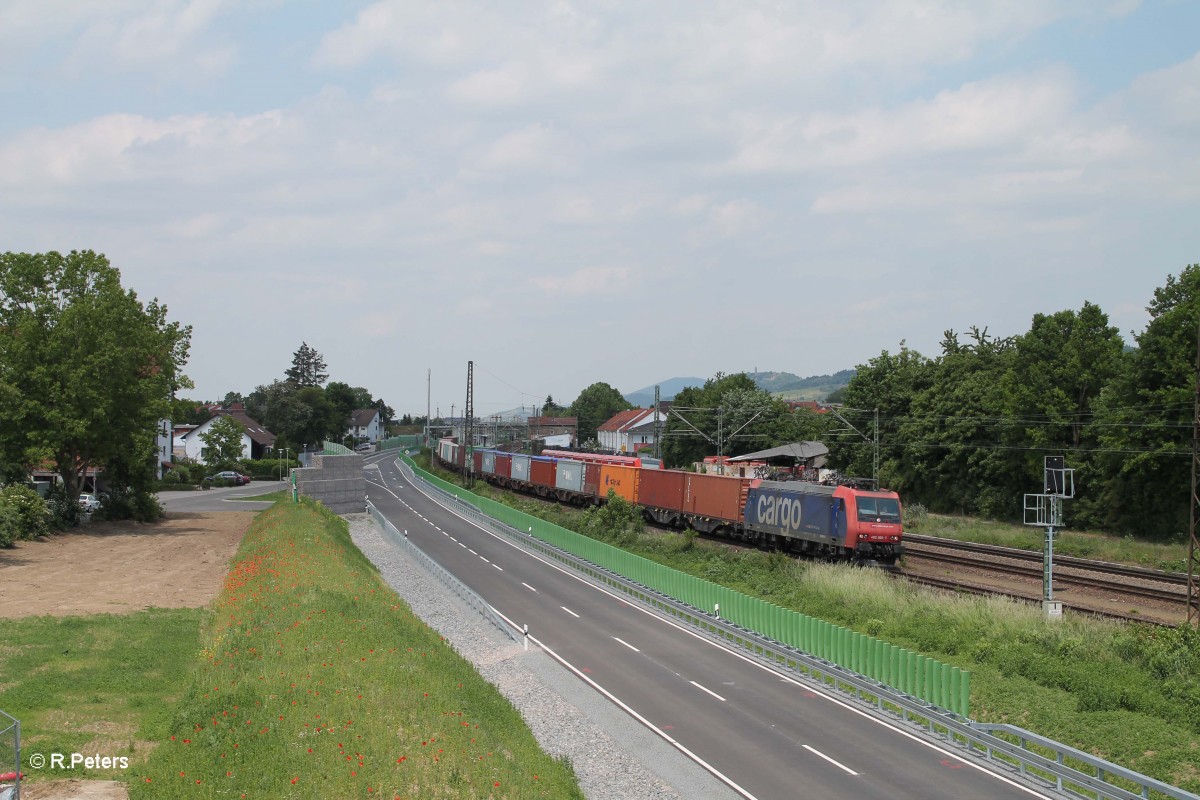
(541, 472)
(715, 496)
(503, 465)
(478, 456)
(591, 480)
(662, 488)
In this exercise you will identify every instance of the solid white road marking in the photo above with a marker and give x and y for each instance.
(830, 760)
(703, 689)
(569, 611)
(627, 644)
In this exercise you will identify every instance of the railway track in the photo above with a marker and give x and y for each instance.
(1118, 580)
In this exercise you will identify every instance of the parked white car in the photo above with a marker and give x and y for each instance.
(88, 502)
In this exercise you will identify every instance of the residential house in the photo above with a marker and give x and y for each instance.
(365, 425)
(256, 440)
(630, 431)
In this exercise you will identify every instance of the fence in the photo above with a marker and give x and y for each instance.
(1036, 760)
(10, 757)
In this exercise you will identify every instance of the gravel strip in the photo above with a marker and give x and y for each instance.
(614, 757)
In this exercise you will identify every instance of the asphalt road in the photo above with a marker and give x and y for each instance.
(762, 733)
(220, 499)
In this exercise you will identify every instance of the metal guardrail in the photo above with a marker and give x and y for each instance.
(1040, 762)
(10, 780)
(454, 584)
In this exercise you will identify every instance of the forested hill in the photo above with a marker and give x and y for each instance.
(815, 387)
(787, 382)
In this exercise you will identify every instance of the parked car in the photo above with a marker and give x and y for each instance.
(89, 502)
(236, 478)
(365, 447)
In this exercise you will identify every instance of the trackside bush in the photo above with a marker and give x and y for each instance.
(33, 518)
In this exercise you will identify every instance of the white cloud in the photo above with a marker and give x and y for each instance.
(130, 147)
(535, 146)
(586, 281)
(737, 217)
(999, 113)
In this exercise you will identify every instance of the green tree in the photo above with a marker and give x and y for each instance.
(551, 408)
(223, 443)
(345, 399)
(86, 368)
(1144, 418)
(188, 412)
(308, 367)
(594, 406)
(730, 410)
(889, 382)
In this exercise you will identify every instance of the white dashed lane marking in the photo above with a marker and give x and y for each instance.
(703, 689)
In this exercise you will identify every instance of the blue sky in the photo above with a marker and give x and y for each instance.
(568, 192)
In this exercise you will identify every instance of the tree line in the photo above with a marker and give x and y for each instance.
(968, 430)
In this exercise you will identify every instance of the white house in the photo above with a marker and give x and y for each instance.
(365, 423)
(629, 431)
(256, 440)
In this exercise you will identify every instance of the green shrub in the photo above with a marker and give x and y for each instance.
(137, 506)
(64, 511)
(32, 514)
(10, 526)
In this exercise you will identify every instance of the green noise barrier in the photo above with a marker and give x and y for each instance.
(919, 676)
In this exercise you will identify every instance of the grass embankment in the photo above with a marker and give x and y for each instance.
(1081, 544)
(102, 684)
(1129, 693)
(316, 680)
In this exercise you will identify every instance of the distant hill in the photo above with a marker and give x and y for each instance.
(792, 386)
(783, 384)
(644, 398)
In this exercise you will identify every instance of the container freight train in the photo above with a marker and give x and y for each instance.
(837, 522)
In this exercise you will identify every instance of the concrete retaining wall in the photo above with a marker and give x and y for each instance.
(336, 481)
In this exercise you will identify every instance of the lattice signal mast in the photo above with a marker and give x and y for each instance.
(1045, 510)
(469, 425)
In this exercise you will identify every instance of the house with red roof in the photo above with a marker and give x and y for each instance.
(629, 431)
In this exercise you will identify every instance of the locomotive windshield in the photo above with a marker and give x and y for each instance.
(878, 509)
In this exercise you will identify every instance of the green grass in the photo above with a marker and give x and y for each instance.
(269, 497)
(1129, 693)
(1081, 544)
(315, 680)
(99, 684)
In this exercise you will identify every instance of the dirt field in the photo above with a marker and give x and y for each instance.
(118, 567)
(115, 568)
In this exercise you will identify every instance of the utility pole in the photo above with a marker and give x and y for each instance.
(428, 381)
(1046, 510)
(873, 441)
(469, 424)
(657, 426)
